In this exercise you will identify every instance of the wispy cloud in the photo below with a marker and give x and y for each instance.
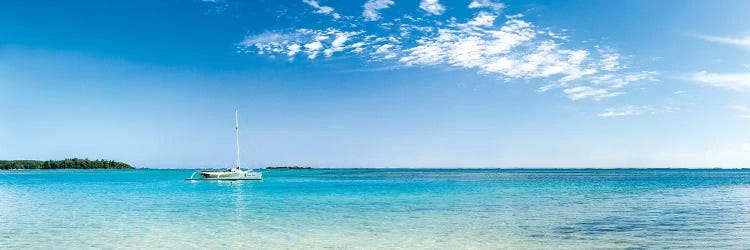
(738, 41)
(486, 4)
(733, 81)
(582, 92)
(635, 110)
(372, 8)
(311, 42)
(326, 10)
(432, 6)
(505, 46)
(630, 110)
(266, 38)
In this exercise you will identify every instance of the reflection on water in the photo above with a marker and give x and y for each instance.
(374, 208)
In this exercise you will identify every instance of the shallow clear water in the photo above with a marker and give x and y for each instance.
(377, 208)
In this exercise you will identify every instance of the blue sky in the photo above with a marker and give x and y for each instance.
(378, 83)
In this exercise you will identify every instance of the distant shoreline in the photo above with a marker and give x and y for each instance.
(289, 167)
(72, 163)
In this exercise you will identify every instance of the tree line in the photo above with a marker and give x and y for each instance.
(73, 163)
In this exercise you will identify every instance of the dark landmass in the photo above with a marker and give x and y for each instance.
(289, 167)
(73, 163)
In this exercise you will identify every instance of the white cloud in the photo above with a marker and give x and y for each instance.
(372, 8)
(483, 19)
(629, 110)
(486, 4)
(432, 6)
(312, 49)
(582, 92)
(634, 110)
(338, 43)
(264, 38)
(733, 81)
(739, 41)
(621, 80)
(329, 41)
(326, 10)
(293, 49)
(385, 51)
(358, 47)
(610, 62)
(504, 46)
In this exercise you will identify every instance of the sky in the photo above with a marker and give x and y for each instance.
(378, 83)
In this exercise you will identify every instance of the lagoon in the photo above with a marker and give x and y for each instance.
(378, 208)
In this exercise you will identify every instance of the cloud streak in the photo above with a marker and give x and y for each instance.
(630, 110)
(738, 41)
(731, 81)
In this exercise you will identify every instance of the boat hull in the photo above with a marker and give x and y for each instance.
(227, 175)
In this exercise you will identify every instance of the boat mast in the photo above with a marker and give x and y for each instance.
(237, 136)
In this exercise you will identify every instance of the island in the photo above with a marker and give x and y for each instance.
(289, 167)
(73, 163)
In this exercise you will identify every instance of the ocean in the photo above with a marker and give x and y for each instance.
(377, 209)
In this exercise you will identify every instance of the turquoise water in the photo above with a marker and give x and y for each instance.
(377, 208)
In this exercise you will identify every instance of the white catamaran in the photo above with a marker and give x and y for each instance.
(235, 173)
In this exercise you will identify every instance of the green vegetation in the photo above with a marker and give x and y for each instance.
(74, 163)
(289, 167)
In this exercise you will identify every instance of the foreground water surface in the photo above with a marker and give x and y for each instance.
(377, 208)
